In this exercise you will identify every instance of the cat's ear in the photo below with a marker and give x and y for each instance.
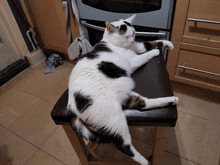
(111, 28)
(131, 19)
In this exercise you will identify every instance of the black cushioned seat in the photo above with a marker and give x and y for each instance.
(152, 81)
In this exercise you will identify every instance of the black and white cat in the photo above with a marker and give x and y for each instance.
(100, 87)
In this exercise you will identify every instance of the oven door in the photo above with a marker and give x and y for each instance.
(95, 30)
(124, 6)
(150, 13)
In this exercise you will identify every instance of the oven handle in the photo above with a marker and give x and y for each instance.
(144, 34)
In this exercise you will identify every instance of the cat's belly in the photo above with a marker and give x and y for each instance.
(89, 79)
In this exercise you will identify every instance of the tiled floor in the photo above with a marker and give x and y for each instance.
(29, 136)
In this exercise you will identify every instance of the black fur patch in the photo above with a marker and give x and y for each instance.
(78, 129)
(99, 47)
(160, 44)
(127, 23)
(111, 70)
(126, 103)
(133, 102)
(147, 46)
(91, 55)
(104, 136)
(73, 123)
(127, 150)
(82, 101)
(122, 29)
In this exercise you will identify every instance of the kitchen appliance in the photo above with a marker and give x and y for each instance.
(153, 17)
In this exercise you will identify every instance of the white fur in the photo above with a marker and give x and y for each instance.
(108, 93)
(167, 43)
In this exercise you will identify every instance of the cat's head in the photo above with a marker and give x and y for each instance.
(120, 33)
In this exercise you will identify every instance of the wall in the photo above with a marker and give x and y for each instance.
(12, 30)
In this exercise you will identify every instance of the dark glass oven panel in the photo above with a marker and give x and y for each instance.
(125, 6)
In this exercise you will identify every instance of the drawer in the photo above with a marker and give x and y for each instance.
(203, 23)
(197, 68)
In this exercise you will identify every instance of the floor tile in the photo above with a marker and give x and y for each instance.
(41, 82)
(16, 149)
(5, 88)
(195, 139)
(61, 86)
(145, 134)
(14, 81)
(13, 104)
(2, 129)
(207, 110)
(36, 125)
(52, 93)
(64, 69)
(41, 157)
(48, 94)
(59, 146)
(34, 80)
(24, 77)
(170, 159)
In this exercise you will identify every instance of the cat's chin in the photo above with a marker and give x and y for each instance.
(122, 45)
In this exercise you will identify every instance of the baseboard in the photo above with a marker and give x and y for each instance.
(12, 70)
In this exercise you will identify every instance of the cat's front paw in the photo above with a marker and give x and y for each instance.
(174, 100)
(155, 52)
(167, 44)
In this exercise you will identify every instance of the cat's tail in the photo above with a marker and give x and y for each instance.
(80, 128)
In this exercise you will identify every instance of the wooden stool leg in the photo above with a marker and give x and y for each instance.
(159, 145)
(91, 147)
(78, 145)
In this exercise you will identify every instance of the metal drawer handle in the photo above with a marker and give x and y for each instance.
(198, 70)
(204, 21)
(146, 34)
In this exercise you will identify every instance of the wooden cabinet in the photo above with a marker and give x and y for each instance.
(50, 20)
(203, 23)
(195, 59)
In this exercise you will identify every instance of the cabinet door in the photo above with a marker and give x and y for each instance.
(203, 23)
(50, 20)
(198, 66)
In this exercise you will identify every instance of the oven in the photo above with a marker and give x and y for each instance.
(153, 17)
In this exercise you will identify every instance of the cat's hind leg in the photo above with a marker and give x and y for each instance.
(123, 142)
(129, 150)
(140, 103)
(80, 128)
(134, 102)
